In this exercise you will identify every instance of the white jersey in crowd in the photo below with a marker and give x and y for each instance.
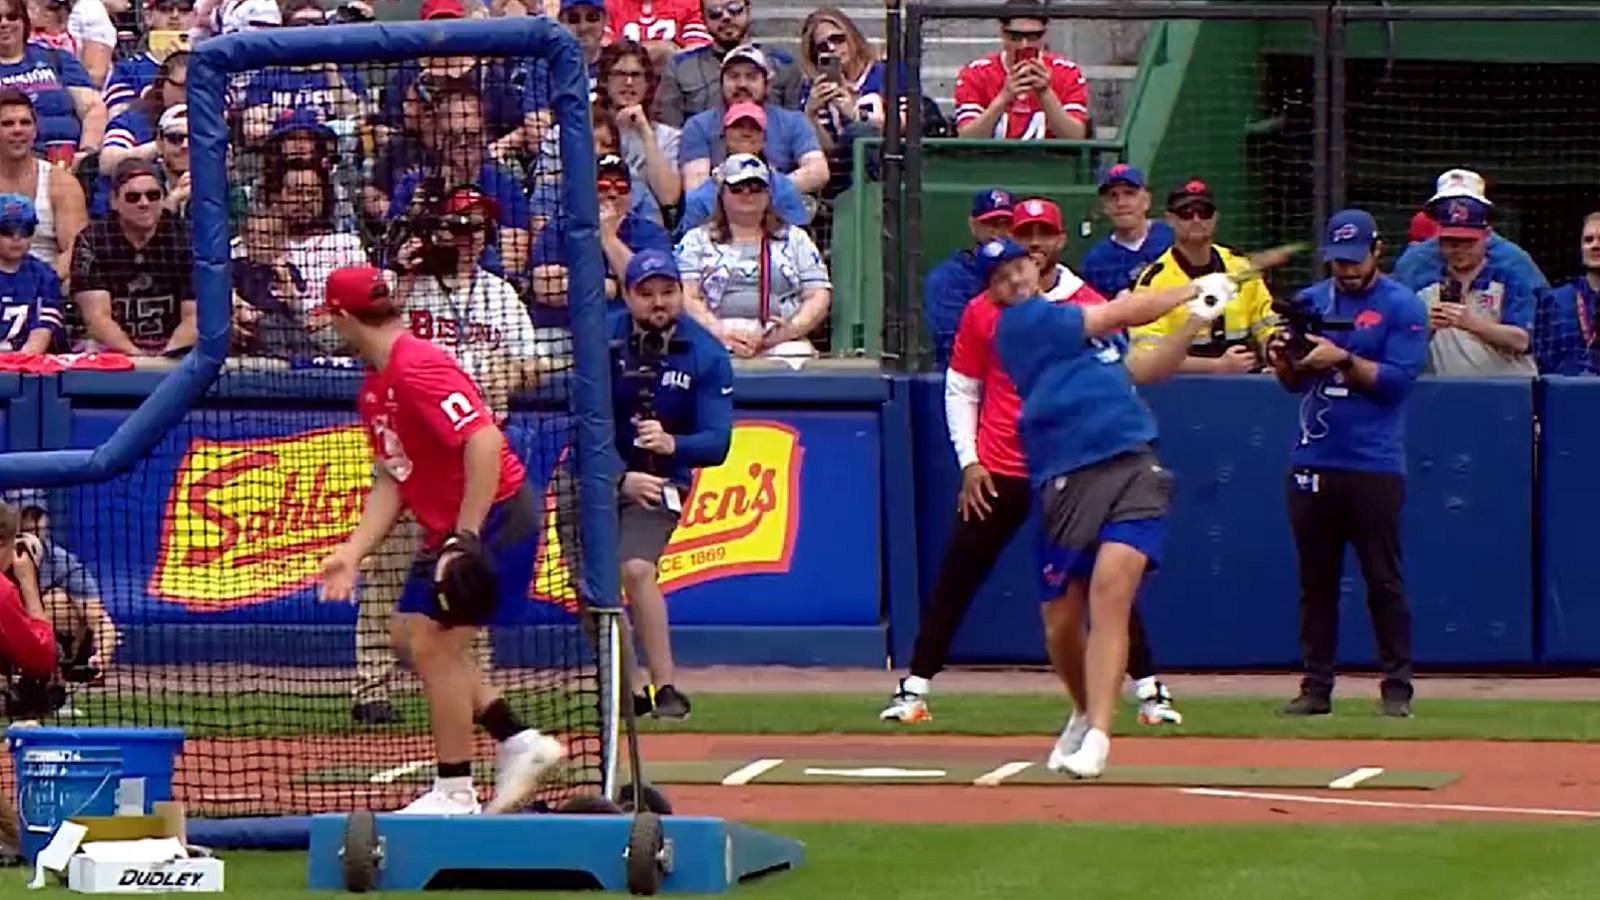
(477, 323)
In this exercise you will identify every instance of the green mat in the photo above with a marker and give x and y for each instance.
(998, 773)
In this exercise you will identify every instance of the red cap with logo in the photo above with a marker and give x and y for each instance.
(442, 9)
(468, 198)
(356, 289)
(1037, 211)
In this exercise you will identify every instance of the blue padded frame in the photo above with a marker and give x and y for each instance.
(210, 68)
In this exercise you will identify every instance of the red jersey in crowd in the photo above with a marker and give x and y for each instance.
(984, 79)
(973, 358)
(418, 412)
(650, 21)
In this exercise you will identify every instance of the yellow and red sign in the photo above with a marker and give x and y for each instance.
(250, 521)
(740, 518)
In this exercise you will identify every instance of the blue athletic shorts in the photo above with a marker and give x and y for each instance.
(1122, 500)
(1062, 565)
(510, 538)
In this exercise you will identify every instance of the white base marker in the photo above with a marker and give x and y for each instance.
(1350, 779)
(992, 779)
(749, 773)
(390, 776)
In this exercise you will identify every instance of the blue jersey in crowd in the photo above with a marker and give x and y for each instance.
(1417, 265)
(637, 232)
(1111, 267)
(693, 399)
(509, 90)
(52, 105)
(869, 99)
(947, 290)
(286, 88)
(1564, 337)
(129, 78)
(30, 298)
(1079, 405)
(1345, 429)
(789, 137)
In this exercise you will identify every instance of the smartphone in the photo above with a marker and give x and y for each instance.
(832, 68)
(164, 43)
(1027, 54)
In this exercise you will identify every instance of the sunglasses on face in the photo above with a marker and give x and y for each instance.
(152, 196)
(1022, 37)
(464, 225)
(176, 137)
(585, 17)
(1190, 213)
(10, 17)
(170, 8)
(614, 186)
(726, 11)
(16, 231)
(747, 187)
(826, 44)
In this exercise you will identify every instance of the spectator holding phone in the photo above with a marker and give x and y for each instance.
(164, 36)
(1024, 92)
(843, 95)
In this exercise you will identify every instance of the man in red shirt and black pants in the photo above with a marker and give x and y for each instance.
(440, 455)
(982, 411)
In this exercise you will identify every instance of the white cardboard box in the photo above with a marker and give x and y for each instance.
(92, 876)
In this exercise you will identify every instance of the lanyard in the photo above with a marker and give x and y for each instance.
(1585, 315)
(765, 278)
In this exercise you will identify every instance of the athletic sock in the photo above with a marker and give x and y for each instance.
(500, 722)
(452, 777)
(913, 684)
(1145, 687)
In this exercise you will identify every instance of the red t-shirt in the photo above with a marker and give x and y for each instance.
(418, 412)
(982, 80)
(25, 642)
(647, 21)
(999, 444)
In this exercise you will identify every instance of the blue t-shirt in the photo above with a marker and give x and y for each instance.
(29, 298)
(1079, 405)
(698, 204)
(637, 232)
(284, 88)
(1111, 268)
(1342, 428)
(52, 105)
(947, 290)
(509, 90)
(1560, 344)
(693, 399)
(789, 137)
(131, 128)
(129, 78)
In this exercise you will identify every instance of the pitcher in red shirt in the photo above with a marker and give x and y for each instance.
(982, 411)
(439, 454)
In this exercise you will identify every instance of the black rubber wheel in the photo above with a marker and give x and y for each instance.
(645, 842)
(360, 855)
(589, 805)
(654, 800)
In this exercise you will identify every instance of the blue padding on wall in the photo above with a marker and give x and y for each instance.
(1227, 593)
(1569, 519)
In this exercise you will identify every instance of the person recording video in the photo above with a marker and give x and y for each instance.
(1354, 345)
(672, 399)
(28, 651)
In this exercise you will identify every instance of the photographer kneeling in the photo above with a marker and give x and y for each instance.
(1354, 344)
(672, 399)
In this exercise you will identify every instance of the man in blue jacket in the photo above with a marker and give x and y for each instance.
(672, 400)
(952, 284)
(1565, 340)
(1136, 240)
(1347, 479)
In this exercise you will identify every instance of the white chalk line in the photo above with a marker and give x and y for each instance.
(746, 774)
(1001, 773)
(390, 776)
(1392, 804)
(1349, 780)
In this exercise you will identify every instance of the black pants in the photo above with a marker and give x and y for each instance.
(970, 556)
(1327, 511)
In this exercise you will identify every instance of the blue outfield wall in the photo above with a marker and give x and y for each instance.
(817, 542)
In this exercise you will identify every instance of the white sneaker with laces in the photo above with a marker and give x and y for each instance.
(1070, 740)
(906, 706)
(1155, 706)
(438, 802)
(1089, 760)
(518, 763)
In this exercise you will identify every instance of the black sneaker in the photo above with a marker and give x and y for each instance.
(643, 705)
(670, 703)
(375, 712)
(1396, 708)
(1307, 705)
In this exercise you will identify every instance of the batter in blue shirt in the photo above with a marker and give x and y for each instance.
(1103, 495)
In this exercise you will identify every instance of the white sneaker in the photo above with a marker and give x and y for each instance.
(1089, 760)
(1070, 740)
(443, 803)
(906, 706)
(518, 763)
(1155, 706)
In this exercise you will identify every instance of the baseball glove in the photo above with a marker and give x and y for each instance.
(465, 590)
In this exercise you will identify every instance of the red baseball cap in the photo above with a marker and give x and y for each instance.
(356, 289)
(747, 110)
(1039, 211)
(442, 9)
(468, 198)
(1422, 228)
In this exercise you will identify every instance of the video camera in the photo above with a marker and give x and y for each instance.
(423, 221)
(1301, 321)
(647, 347)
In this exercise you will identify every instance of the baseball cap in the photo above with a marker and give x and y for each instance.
(300, 119)
(647, 264)
(442, 9)
(356, 289)
(176, 118)
(1422, 227)
(1037, 211)
(27, 498)
(1351, 234)
(745, 110)
(742, 167)
(251, 14)
(613, 165)
(749, 53)
(1122, 173)
(1191, 193)
(1460, 183)
(469, 197)
(1462, 217)
(993, 255)
(129, 169)
(17, 210)
(993, 204)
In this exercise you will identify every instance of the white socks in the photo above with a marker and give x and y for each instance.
(453, 785)
(911, 684)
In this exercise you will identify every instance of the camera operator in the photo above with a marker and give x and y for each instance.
(28, 651)
(672, 398)
(1347, 481)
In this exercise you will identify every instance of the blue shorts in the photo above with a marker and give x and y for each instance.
(1063, 565)
(510, 539)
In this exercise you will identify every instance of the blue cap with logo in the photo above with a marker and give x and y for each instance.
(1122, 173)
(16, 211)
(574, 4)
(1461, 217)
(1351, 234)
(649, 264)
(993, 204)
(993, 255)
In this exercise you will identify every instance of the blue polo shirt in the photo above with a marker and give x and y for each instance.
(789, 137)
(1342, 428)
(1559, 343)
(693, 399)
(1111, 268)
(1079, 406)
